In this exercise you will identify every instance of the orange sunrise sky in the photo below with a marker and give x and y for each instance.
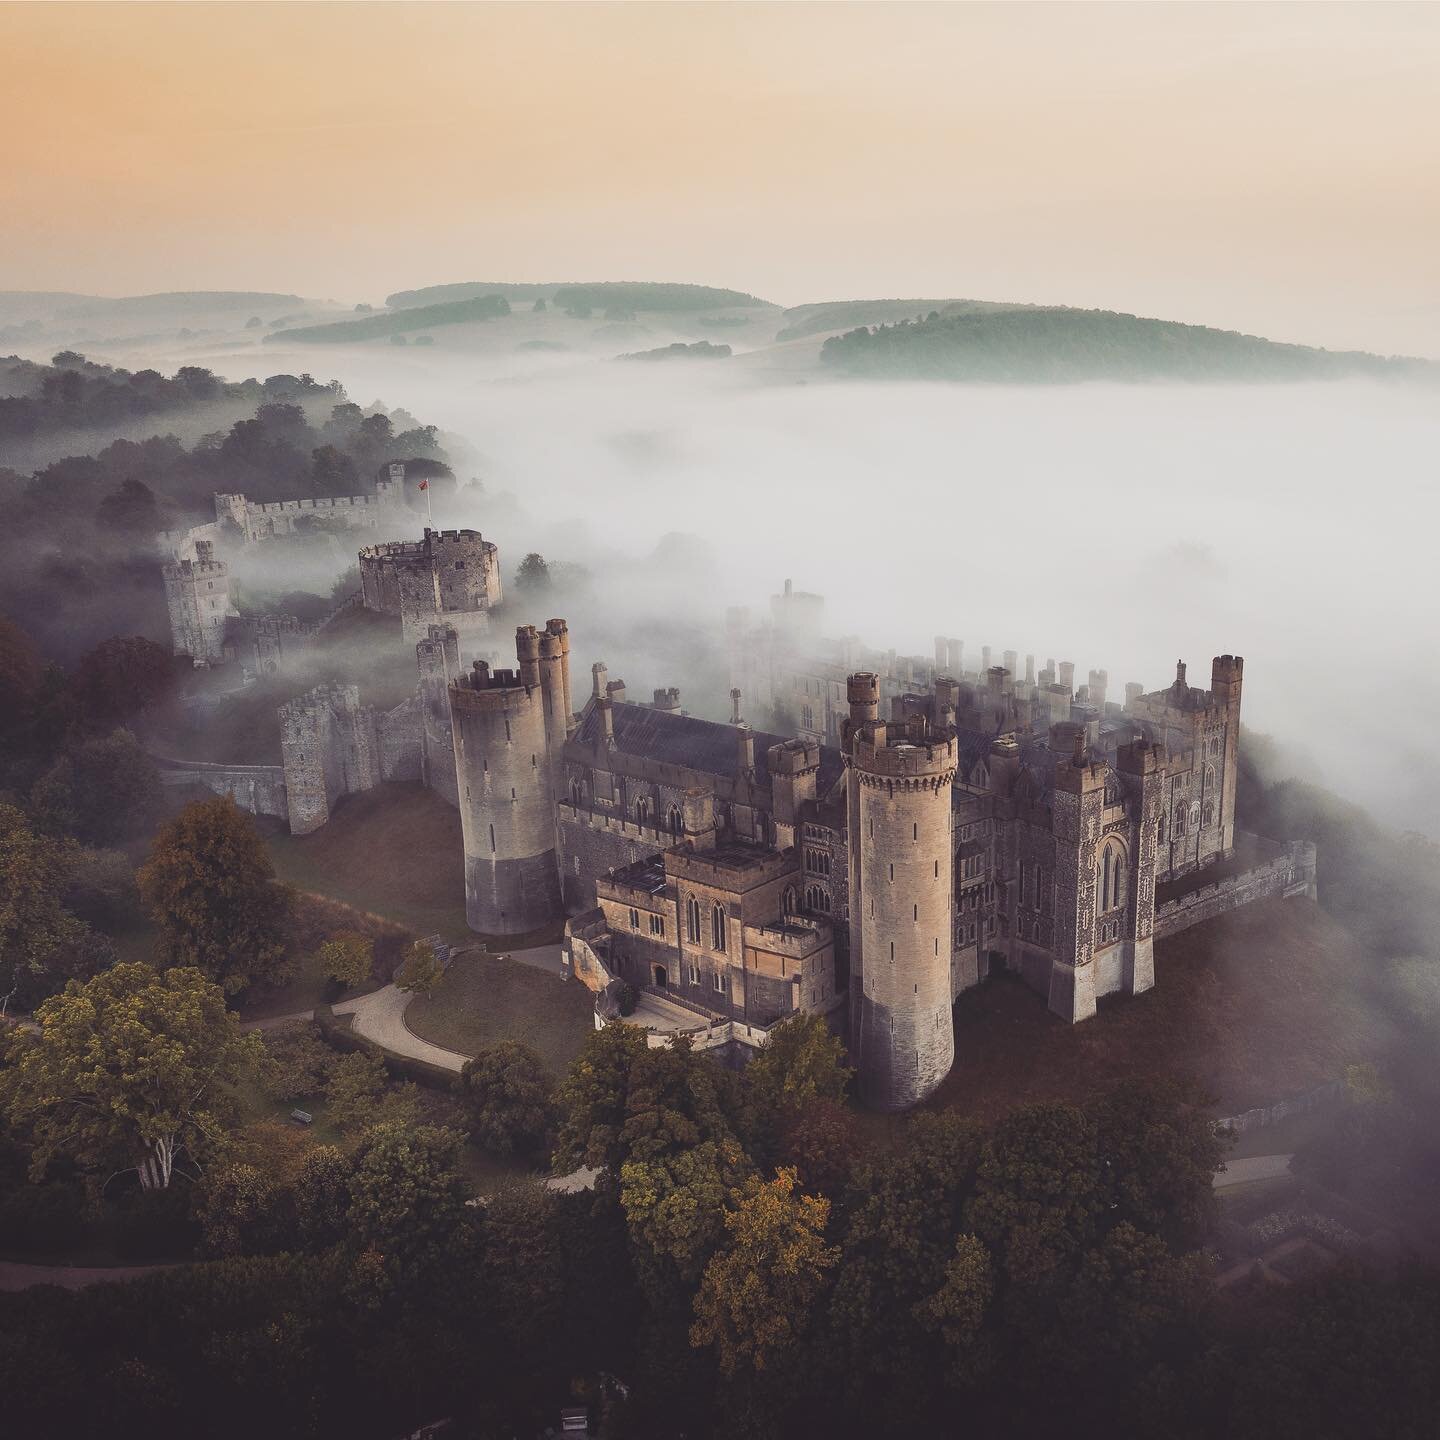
(1268, 168)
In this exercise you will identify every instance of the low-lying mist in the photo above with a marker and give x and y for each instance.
(1121, 527)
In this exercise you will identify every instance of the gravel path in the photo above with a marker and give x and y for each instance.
(381, 1017)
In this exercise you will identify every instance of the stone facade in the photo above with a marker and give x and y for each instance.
(197, 595)
(447, 577)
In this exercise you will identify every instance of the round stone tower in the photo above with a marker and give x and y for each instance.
(507, 818)
(902, 899)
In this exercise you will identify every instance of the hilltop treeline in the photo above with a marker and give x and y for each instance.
(596, 295)
(375, 327)
(1053, 345)
(78, 554)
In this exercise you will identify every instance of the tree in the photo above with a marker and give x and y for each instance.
(957, 1310)
(297, 1062)
(533, 576)
(128, 1071)
(347, 957)
(210, 885)
(102, 791)
(511, 1099)
(130, 509)
(20, 683)
(34, 924)
(407, 1196)
(802, 1060)
(421, 970)
(121, 677)
(356, 1096)
(332, 472)
(540, 306)
(758, 1290)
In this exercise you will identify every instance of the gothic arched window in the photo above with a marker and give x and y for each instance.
(692, 920)
(788, 901)
(677, 823)
(1111, 877)
(717, 926)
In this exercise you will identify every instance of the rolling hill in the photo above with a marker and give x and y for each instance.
(1050, 345)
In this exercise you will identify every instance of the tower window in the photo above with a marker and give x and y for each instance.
(717, 927)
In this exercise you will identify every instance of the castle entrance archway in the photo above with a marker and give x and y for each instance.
(659, 977)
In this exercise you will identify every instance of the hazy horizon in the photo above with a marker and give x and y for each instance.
(1247, 167)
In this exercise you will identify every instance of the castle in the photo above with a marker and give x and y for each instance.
(449, 577)
(908, 829)
(974, 824)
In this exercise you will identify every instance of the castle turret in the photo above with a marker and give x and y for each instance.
(901, 904)
(1226, 679)
(507, 816)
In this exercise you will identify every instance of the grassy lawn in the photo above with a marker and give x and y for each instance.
(1258, 1005)
(394, 851)
(484, 999)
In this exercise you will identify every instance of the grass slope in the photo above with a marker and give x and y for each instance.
(816, 319)
(394, 851)
(1258, 1005)
(378, 327)
(1054, 345)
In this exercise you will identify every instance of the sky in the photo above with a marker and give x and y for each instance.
(1267, 168)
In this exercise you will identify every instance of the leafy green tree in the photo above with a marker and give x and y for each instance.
(347, 957)
(1159, 1151)
(802, 1060)
(102, 791)
(333, 472)
(34, 924)
(1039, 1194)
(407, 1196)
(321, 1197)
(421, 971)
(758, 1291)
(297, 1062)
(824, 1143)
(533, 576)
(130, 509)
(129, 1071)
(674, 1203)
(511, 1099)
(958, 1310)
(211, 887)
(121, 677)
(624, 1100)
(357, 1094)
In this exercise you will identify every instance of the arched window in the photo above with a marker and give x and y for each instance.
(1111, 877)
(642, 810)
(1179, 820)
(1209, 779)
(677, 823)
(577, 791)
(717, 927)
(692, 920)
(1160, 831)
(788, 901)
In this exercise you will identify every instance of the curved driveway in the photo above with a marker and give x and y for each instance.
(380, 1016)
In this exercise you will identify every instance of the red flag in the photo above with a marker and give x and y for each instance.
(424, 484)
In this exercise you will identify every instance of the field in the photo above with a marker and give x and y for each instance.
(1257, 1005)
(487, 998)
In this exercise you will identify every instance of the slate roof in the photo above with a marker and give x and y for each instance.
(669, 738)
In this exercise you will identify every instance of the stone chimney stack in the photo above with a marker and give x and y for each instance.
(598, 672)
(735, 716)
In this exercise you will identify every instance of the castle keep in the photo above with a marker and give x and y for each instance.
(449, 577)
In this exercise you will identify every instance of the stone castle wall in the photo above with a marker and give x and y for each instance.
(258, 789)
(1292, 873)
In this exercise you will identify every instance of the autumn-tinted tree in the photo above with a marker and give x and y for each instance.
(211, 887)
(760, 1289)
(357, 1097)
(130, 1071)
(347, 957)
(510, 1098)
